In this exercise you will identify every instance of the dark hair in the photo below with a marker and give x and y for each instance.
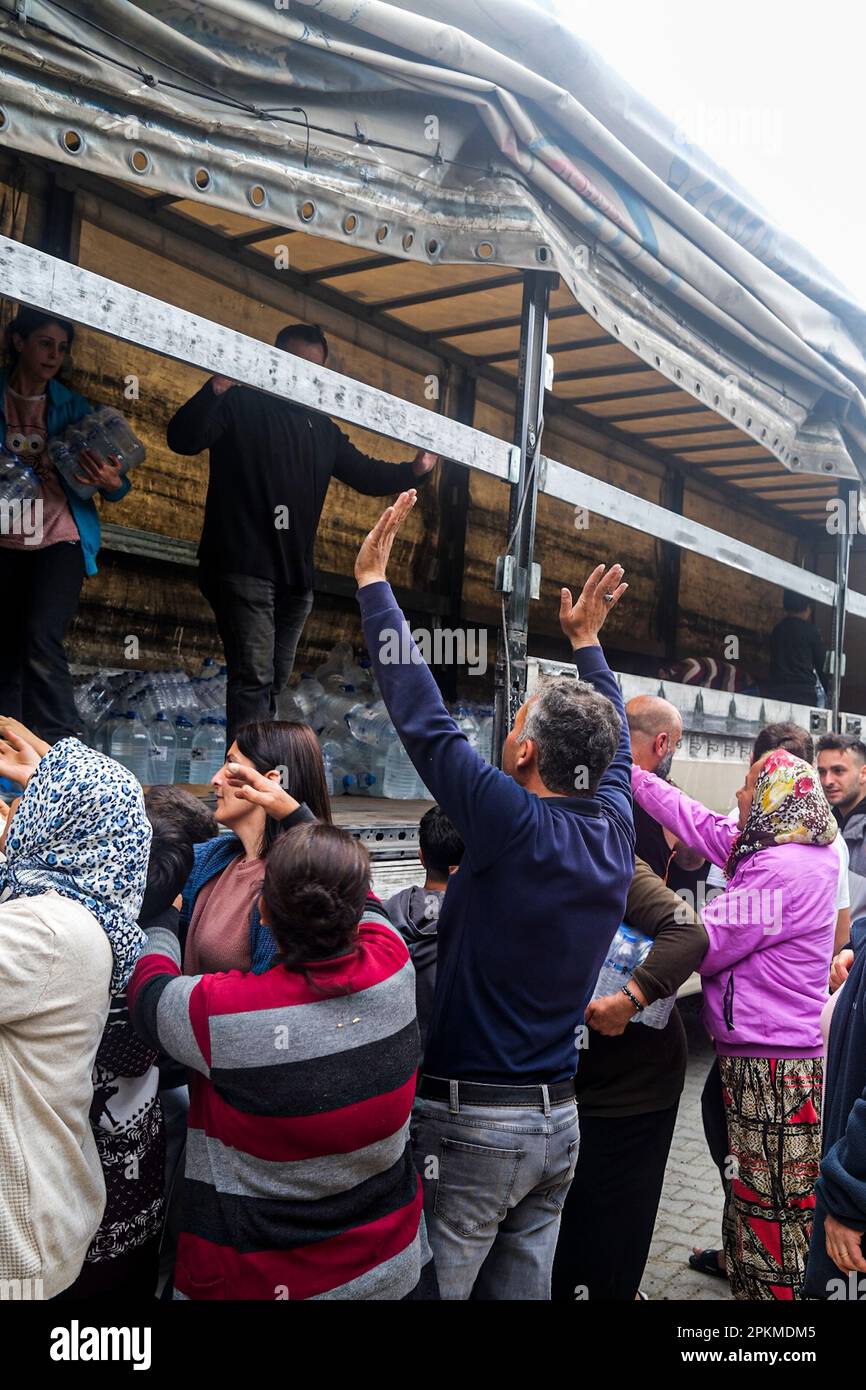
(440, 843)
(302, 333)
(576, 732)
(293, 748)
(842, 743)
(27, 321)
(316, 882)
(786, 735)
(180, 813)
(168, 868)
(792, 602)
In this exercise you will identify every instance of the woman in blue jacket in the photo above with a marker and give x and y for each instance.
(46, 551)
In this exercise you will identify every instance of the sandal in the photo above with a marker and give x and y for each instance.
(707, 1262)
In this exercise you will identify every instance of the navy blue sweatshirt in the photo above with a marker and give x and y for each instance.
(841, 1188)
(539, 893)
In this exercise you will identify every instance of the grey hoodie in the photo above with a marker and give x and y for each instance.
(415, 913)
(854, 835)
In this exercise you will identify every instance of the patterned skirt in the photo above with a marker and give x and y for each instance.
(773, 1112)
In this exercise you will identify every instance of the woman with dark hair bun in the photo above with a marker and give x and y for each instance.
(273, 778)
(45, 567)
(299, 1178)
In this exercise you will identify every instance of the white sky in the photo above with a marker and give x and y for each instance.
(774, 90)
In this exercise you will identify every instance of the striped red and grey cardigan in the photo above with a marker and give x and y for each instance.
(299, 1176)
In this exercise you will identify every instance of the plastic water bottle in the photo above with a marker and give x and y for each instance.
(308, 692)
(65, 460)
(18, 482)
(183, 732)
(485, 732)
(402, 782)
(338, 758)
(467, 725)
(95, 437)
(371, 724)
(331, 711)
(124, 442)
(163, 750)
(130, 745)
(372, 781)
(207, 751)
(629, 949)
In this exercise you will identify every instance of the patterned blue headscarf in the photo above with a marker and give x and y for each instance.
(81, 829)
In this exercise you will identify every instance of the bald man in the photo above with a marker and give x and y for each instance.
(656, 728)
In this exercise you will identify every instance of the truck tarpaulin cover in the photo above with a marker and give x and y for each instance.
(455, 131)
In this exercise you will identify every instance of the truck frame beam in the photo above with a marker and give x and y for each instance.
(515, 569)
(35, 278)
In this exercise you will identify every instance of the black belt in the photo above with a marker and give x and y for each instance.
(479, 1093)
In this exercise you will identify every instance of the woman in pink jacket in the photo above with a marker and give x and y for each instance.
(765, 983)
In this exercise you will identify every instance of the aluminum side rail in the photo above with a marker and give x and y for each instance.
(40, 280)
(67, 290)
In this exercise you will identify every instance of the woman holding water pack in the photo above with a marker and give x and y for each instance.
(45, 562)
(765, 985)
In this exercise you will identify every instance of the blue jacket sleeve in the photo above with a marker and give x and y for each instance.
(486, 806)
(481, 802)
(842, 1183)
(614, 789)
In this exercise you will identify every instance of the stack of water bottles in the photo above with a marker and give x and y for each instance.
(362, 753)
(629, 949)
(164, 726)
(169, 727)
(18, 481)
(105, 432)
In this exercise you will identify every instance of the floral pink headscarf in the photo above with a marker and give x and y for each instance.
(789, 807)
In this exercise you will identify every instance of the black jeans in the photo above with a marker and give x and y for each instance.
(715, 1120)
(260, 624)
(610, 1211)
(40, 590)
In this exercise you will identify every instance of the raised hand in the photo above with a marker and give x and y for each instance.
(582, 621)
(372, 562)
(14, 726)
(18, 760)
(262, 790)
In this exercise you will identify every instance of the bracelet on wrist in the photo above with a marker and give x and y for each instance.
(638, 1005)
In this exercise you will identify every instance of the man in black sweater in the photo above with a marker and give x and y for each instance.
(523, 931)
(270, 465)
(796, 655)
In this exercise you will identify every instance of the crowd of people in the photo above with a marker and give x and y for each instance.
(230, 1072)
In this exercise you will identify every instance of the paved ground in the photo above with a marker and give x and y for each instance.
(691, 1206)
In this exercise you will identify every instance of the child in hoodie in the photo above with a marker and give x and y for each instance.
(415, 910)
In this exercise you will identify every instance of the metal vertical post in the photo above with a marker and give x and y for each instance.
(849, 494)
(453, 515)
(514, 569)
(667, 612)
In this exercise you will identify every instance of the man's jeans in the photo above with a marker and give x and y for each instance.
(260, 624)
(495, 1180)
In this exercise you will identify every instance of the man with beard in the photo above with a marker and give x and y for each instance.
(656, 729)
(842, 769)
